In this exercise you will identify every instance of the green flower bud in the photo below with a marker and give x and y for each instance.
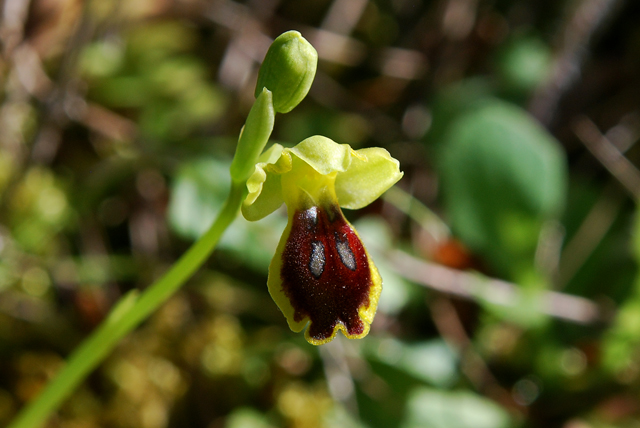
(288, 70)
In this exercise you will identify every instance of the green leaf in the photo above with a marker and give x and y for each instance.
(198, 191)
(246, 417)
(451, 102)
(501, 172)
(437, 409)
(430, 361)
(197, 195)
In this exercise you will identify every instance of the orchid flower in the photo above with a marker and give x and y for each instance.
(321, 275)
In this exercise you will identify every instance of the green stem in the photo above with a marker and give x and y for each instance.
(129, 312)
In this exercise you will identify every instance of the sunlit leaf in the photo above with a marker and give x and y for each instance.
(199, 189)
(498, 166)
(246, 417)
(431, 361)
(437, 409)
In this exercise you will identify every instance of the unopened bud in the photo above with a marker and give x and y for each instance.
(288, 70)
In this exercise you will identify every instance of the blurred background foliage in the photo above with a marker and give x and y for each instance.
(509, 250)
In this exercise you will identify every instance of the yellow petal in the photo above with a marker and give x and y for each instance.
(371, 173)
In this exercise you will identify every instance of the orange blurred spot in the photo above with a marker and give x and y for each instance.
(454, 254)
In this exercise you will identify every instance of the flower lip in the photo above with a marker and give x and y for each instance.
(322, 277)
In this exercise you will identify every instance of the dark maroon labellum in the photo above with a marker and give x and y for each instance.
(325, 272)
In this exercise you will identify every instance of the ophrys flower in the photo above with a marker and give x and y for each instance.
(321, 274)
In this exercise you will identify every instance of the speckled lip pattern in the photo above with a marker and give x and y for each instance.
(325, 272)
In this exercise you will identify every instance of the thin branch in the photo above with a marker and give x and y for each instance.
(587, 17)
(418, 212)
(339, 378)
(609, 156)
(343, 16)
(590, 233)
(604, 212)
(473, 286)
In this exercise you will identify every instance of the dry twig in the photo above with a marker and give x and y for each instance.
(475, 287)
(608, 155)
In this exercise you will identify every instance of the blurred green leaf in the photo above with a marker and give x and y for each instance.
(40, 209)
(522, 64)
(199, 189)
(452, 102)
(156, 40)
(176, 75)
(340, 417)
(430, 361)
(246, 417)
(123, 91)
(431, 408)
(102, 59)
(401, 368)
(502, 176)
(158, 75)
(621, 344)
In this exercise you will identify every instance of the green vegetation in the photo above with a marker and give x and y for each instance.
(508, 251)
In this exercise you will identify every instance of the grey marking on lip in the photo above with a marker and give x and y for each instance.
(345, 253)
(312, 214)
(317, 259)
